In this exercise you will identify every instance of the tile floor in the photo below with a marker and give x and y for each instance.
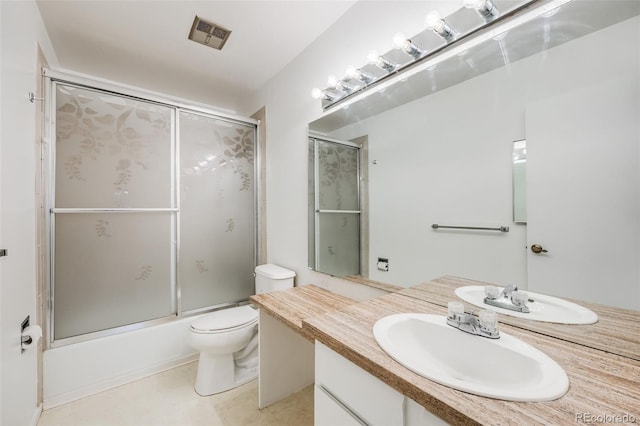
(168, 398)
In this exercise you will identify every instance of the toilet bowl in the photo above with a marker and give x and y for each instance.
(227, 341)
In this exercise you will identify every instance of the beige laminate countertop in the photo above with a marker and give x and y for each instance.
(600, 383)
(293, 305)
(617, 330)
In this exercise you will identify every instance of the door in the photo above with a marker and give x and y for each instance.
(583, 200)
(334, 246)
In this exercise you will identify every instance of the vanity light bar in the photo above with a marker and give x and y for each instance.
(485, 8)
(434, 22)
(380, 61)
(340, 89)
(401, 42)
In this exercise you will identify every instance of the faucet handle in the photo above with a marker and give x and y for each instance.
(519, 298)
(488, 320)
(454, 309)
(491, 292)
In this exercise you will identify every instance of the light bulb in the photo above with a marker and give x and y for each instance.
(380, 61)
(400, 41)
(317, 93)
(485, 8)
(372, 57)
(332, 81)
(353, 72)
(433, 20)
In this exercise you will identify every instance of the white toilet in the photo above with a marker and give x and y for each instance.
(228, 339)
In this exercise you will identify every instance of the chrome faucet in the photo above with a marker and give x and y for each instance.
(485, 325)
(512, 298)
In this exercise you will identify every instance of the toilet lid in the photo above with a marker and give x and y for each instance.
(225, 319)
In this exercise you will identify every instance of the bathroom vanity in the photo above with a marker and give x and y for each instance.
(286, 347)
(356, 381)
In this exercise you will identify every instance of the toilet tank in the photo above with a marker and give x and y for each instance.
(271, 277)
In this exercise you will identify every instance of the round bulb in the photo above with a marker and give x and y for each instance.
(317, 93)
(432, 20)
(400, 41)
(372, 57)
(332, 81)
(352, 72)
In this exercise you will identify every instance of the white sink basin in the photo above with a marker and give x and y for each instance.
(543, 308)
(506, 368)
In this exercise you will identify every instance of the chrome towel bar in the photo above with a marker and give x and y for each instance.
(500, 228)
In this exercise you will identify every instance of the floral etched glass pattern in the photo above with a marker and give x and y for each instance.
(217, 212)
(111, 151)
(334, 207)
(338, 176)
(339, 244)
(111, 270)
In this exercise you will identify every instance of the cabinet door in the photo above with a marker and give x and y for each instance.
(370, 399)
(328, 411)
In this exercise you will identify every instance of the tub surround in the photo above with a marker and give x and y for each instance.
(286, 349)
(616, 331)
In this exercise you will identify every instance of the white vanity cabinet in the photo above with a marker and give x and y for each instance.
(345, 394)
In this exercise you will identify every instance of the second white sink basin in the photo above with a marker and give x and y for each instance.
(543, 308)
(506, 368)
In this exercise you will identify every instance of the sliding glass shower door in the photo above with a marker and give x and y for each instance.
(334, 246)
(152, 212)
(217, 205)
(113, 214)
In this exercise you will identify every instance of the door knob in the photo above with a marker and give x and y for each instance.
(537, 249)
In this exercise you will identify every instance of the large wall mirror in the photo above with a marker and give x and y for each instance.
(567, 82)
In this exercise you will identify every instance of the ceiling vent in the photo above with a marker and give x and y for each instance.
(208, 33)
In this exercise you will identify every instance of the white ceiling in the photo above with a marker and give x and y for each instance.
(144, 42)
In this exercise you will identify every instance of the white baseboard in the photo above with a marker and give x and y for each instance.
(114, 382)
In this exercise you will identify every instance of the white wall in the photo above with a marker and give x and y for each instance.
(21, 31)
(289, 107)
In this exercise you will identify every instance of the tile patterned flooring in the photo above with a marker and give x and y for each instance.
(168, 398)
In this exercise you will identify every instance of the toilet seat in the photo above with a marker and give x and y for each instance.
(225, 320)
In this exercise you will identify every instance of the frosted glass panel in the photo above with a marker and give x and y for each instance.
(339, 243)
(110, 150)
(111, 270)
(311, 210)
(217, 221)
(338, 176)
